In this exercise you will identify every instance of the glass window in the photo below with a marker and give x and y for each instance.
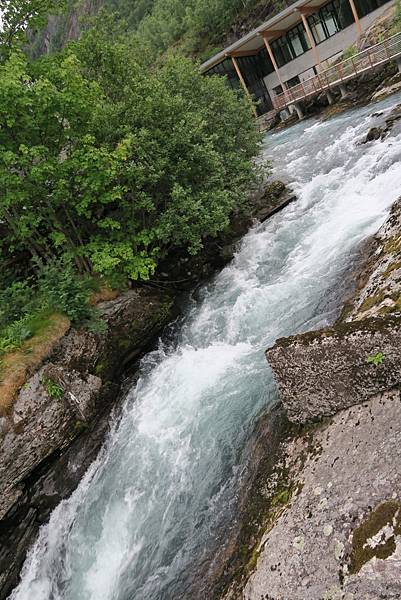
(364, 7)
(332, 18)
(253, 69)
(345, 18)
(291, 82)
(329, 17)
(316, 25)
(298, 40)
(281, 51)
(290, 45)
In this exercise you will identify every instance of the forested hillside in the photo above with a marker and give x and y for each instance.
(197, 28)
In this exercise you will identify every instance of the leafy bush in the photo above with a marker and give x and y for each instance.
(62, 290)
(14, 302)
(119, 163)
(109, 160)
(25, 309)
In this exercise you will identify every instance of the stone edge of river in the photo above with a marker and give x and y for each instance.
(329, 527)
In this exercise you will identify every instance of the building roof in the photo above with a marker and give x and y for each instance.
(284, 21)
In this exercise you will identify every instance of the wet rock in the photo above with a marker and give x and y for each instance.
(379, 287)
(339, 536)
(375, 133)
(275, 197)
(322, 372)
(383, 92)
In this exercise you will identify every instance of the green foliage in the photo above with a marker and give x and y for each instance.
(96, 326)
(376, 359)
(109, 159)
(54, 389)
(350, 52)
(110, 164)
(194, 25)
(25, 308)
(396, 27)
(62, 290)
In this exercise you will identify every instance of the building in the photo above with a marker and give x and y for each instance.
(293, 46)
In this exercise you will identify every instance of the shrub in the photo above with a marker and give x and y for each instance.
(62, 290)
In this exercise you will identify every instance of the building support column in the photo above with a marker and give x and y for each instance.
(329, 97)
(398, 61)
(356, 17)
(242, 81)
(284, 115)
(311, 39)
(270, 53)
(343, 90)
(298, 109)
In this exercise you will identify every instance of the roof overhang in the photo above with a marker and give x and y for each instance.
(273, 28)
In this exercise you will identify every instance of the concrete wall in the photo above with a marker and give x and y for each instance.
(303, 65)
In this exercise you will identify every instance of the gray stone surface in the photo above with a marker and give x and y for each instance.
(379, 289)
(347, 474)
(322, 372)
(61, 413)
(40, 424)
(339, 537)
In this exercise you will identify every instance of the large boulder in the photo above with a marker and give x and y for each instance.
(323, 372)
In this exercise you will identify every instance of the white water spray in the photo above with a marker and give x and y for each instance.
(166, 480)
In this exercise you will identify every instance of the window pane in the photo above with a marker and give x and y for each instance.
(331, 25)
(297, 46)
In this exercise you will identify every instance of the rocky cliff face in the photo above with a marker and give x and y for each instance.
(58, 421)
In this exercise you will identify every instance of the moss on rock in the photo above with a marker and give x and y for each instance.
(364, 546)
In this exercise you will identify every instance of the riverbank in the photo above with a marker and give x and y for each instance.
(53, 429)
(330, 519)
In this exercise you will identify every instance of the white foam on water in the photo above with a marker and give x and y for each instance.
(165, 483)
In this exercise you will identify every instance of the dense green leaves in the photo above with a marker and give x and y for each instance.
(111, 164)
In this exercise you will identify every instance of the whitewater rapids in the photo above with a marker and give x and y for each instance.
(149, 508)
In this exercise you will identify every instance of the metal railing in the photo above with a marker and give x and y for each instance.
(341, 72)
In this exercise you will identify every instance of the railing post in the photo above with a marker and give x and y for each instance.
(386, 48)
(370, 58)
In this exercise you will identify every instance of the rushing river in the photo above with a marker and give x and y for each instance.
(166, 481)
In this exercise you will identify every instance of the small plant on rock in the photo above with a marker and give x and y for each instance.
(54, 389)
(376, 359)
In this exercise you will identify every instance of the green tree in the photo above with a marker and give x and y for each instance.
(111, 164)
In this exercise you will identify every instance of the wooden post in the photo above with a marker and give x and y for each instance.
(242, 81)
(270, 53)
(311, 39)
(370, 58)
(356, 17)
